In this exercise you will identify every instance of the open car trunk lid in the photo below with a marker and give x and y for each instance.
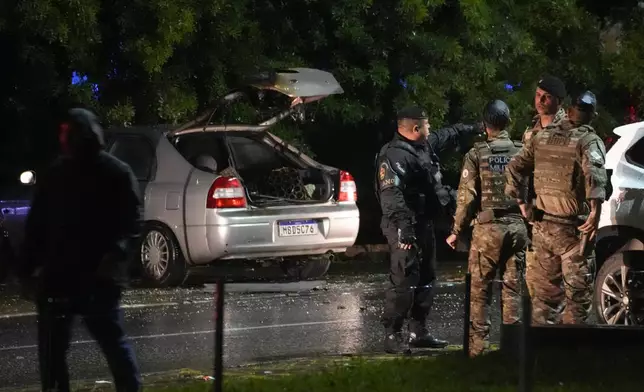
(302, 85)
(297, 87)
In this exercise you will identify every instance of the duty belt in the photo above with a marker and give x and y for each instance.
(540, 215)
(491, 214)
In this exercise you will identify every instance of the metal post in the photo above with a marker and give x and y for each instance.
(219, 335)
(525, 347)
(466, 319)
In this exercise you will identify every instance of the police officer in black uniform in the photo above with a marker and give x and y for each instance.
(408, 182)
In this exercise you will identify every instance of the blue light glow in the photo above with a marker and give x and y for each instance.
(79, 79)
(511, 87)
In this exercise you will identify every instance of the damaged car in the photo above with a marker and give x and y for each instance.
(222, 187)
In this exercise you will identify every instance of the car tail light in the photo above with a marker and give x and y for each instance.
(348, 189)
(226, 192)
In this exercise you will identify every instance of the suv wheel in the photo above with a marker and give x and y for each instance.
(616, 292)
(162, 263)
(306, 269)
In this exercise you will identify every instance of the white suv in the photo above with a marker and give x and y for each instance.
(619, 284)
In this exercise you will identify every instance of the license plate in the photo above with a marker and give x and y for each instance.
(297, 228)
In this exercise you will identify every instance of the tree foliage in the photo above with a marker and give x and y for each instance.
(149, 61)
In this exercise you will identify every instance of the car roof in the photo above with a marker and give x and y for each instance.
(152, 132)
(632, 127)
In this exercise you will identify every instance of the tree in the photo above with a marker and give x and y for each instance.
(151, 61)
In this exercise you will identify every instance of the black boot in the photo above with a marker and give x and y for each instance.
(395, 343)
(426, 340)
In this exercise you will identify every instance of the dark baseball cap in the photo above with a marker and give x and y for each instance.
(553, 85)
(412, 113)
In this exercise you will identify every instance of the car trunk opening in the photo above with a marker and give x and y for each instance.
(270, 175)
(232, 137)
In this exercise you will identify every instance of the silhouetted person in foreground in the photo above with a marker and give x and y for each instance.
(84, 217)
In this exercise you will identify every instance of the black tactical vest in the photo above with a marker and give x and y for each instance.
(422, 188)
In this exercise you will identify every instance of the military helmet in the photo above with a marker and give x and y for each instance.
(496, 114)
(586, 102)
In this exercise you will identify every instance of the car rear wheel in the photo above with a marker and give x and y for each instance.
(162, 263)
(306, 269)
(616, 292)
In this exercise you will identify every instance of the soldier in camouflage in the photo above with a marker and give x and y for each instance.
(568, 165)
(500, 235)
(548, 102)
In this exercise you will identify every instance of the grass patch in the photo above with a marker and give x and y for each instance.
(556, 371)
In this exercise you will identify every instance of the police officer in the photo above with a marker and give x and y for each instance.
(410, 191)
(568, 164)
(500, 235)
(84, 219)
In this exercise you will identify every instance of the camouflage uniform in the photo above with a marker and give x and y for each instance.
(527, 135)
(499, 237)
(568, 166)
(536, 124)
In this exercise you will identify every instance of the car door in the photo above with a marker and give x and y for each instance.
(138, 152)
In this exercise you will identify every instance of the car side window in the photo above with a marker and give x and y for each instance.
(253, 154)
(635, 154)
(137, 152)
(194, 145)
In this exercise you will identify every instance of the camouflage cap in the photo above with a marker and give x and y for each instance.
(412, 113)
(553, 85)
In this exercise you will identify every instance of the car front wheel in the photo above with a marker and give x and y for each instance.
(162, 263)
(619, 292)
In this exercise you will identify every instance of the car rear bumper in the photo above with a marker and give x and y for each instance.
(251, 234)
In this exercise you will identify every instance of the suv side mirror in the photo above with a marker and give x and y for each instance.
(28, 177)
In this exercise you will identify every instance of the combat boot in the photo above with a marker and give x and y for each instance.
(395, 343)
(425, 340)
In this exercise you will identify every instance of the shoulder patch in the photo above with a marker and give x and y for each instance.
(596, 156)
(466, 173)
(387, 177)
(383, 171)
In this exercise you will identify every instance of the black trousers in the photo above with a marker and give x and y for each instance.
(412, 274)
(103, 318)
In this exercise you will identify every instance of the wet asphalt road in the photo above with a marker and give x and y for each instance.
(173, 329)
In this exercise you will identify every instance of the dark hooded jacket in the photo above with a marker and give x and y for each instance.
(84, 217)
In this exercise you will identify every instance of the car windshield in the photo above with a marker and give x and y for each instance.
(249, 106)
